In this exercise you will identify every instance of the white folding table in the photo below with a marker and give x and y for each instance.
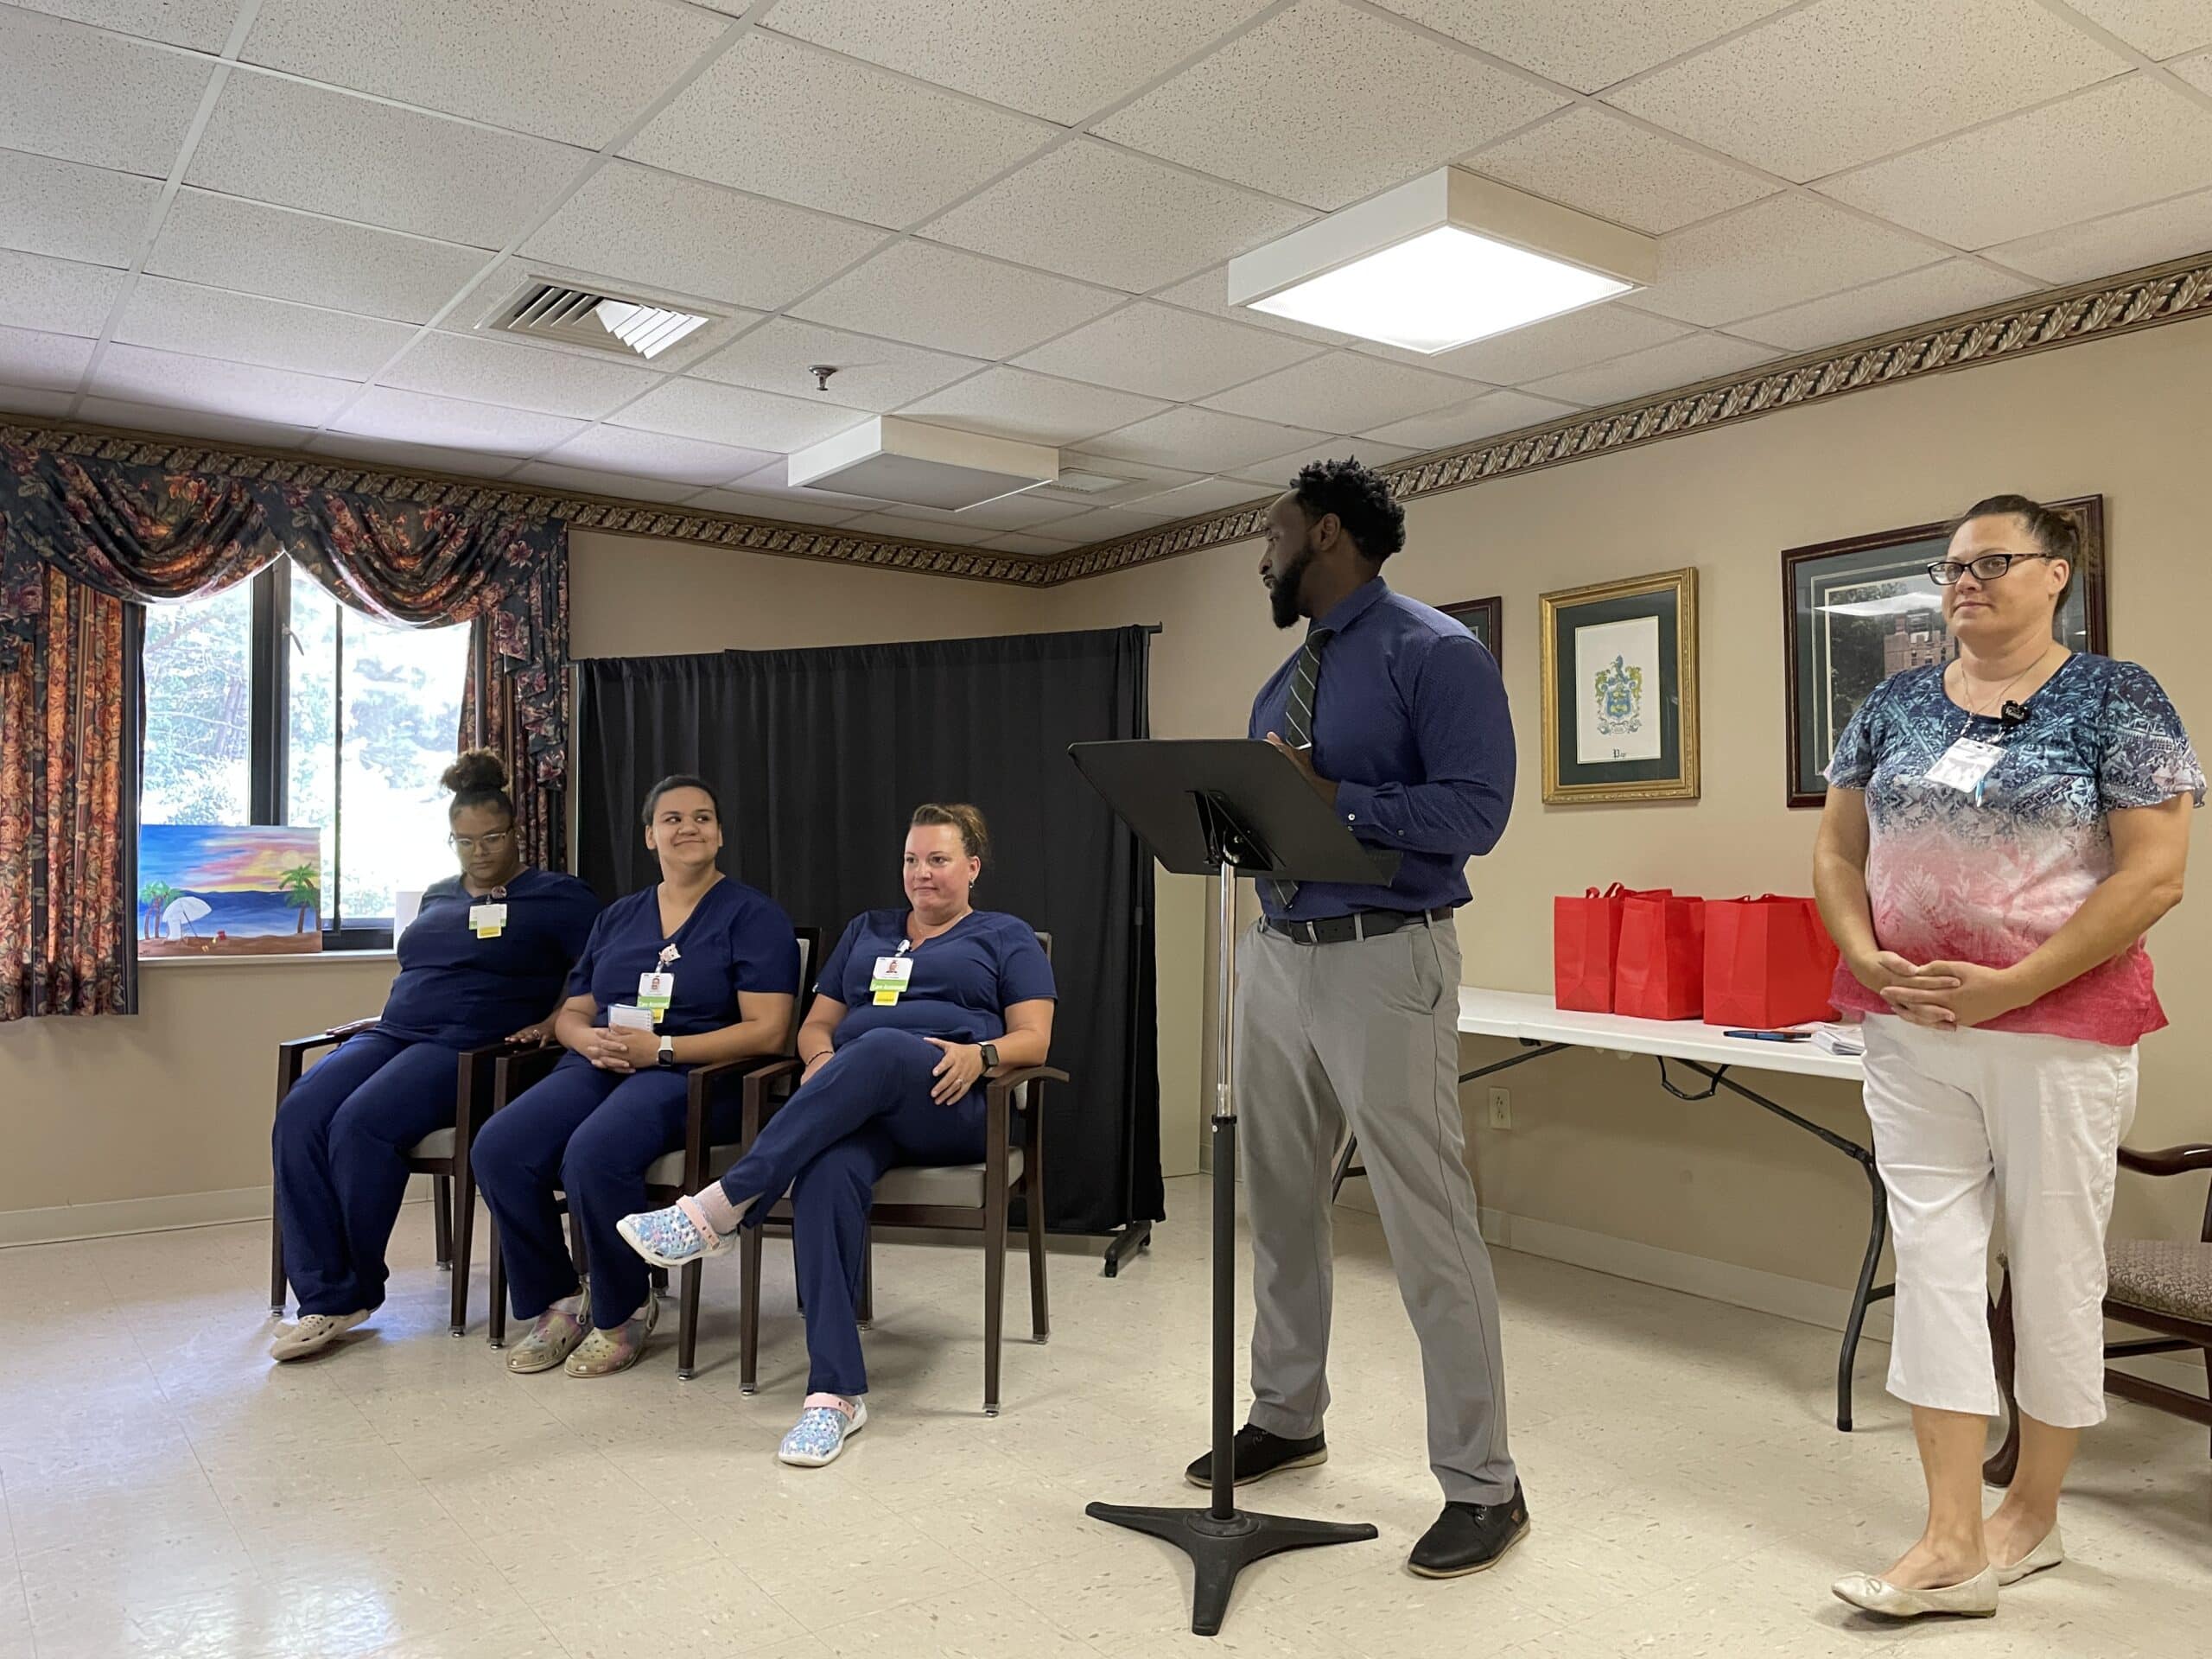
(1543, 1030)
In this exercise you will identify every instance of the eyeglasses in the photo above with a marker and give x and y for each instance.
(1987, 568)
(492, 843)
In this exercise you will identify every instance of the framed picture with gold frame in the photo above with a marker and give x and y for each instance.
(1620, 690)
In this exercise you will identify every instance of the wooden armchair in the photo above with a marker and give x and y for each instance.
(441, 1155)
(965, 1197)
(2155, 1284)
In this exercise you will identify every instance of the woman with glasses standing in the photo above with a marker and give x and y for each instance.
(2001, 833)
(488, 952)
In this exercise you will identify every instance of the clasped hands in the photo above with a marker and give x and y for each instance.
(621, 1048)
(1941, 996)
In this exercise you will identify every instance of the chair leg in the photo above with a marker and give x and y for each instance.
(748, 1367)
(1040, 1313)
(993, 1296)
(277, 1286)
(866, 1309)
(497, 1334)
(576, 1252)
(687, 1328)
(2208, 1373)
(464, 1238)
(2005, 1463)
(441, 1218)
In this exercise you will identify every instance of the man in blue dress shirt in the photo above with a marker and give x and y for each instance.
(1347, 1006)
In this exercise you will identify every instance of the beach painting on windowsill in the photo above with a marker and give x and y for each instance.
(219, 890)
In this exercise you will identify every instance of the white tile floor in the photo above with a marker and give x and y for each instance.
(168, 1493)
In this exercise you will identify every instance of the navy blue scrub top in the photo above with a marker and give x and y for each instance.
(458, 990)
(963, 981)
(737, 938)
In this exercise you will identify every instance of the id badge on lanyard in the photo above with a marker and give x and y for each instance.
(1965, 765)
(892, 976)
(657, 989)
(487, 919)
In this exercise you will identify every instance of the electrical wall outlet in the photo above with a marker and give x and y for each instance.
(1501, 1109)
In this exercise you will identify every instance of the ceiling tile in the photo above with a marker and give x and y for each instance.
(1277, 470)
(762, 118)
(37, 405)
(1200, 440)
(1774, 254)
(773, 507)
(1111, 216)
(657, 454)
(1138, 480)
(586, 482)
(1015, 541)
(1014, 403)
(1594, 332)
(226, 243)
(1593, 160)
(1207, 495)
(575, 70)
(452, 423)
(2158, 28)
(954, 302)
(1663, 368)
(917, 529)
(1208, 291)
(2142, 236)
(150, 376)
(2197, 71)
(83, 96)
(329, 152)
(1843, 81)
(872, 374)
(1344, 392)
(540, 377)
(191, 423)
(37, 360)
(636, 224)
(1059, 59)
(773, 482)
(2117, 146)
(1324, 104)
(738, 416)
(1587, 44)
(1918, 296)
(1112, 523)
(71, 212)
(1164, 352)
(1498, 411)
(215, 323)
(415, 457)
(58, 296)
(204, 25)
(1019, 512)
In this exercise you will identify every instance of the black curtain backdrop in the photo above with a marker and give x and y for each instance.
(819, 758)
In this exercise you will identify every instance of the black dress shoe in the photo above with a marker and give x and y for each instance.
(1257, 1453)
(1468, 1537)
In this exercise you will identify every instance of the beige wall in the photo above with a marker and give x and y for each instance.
(1595, 1145)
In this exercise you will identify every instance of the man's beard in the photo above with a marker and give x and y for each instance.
(1283, 596)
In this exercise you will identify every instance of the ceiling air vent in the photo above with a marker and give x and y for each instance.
(604, 322)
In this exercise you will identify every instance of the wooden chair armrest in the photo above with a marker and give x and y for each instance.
(309, 1045)
(2170, 1161)
(702, 1082)
(514, 1070)
(758, 1107)
(1006, 1083)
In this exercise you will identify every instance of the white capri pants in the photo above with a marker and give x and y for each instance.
(1962, 1121)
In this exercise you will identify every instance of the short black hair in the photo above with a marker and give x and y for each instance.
(1360, 497)
(2056, 536)
(680, 780)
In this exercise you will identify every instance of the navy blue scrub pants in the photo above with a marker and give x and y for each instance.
(868, 1110)
(339, 1152)
(592, 1134)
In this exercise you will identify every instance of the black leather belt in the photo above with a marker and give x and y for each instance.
(1360, 925)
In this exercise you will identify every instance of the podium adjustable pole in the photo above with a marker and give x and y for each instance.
(1221, 1539)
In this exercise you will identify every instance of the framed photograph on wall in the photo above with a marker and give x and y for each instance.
(1857, 611)
(1484, 619)
(1620, 690)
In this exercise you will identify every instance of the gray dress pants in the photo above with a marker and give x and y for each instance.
(1365, 1033)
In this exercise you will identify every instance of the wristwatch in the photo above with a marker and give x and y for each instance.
(667, 1049)
(990, 1056)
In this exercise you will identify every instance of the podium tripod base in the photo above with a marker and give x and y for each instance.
(1220, 1549)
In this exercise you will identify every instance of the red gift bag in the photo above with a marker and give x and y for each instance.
(1769, 963)
(1586, 938)
(1659, 971)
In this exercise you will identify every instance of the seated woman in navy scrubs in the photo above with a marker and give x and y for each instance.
(724, 957)
(487, 953)
(914, 1008)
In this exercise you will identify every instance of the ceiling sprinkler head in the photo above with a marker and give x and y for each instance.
(821, 371)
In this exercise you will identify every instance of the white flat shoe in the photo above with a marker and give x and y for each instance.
(2049, 1554)
(1975, 1598)
(314, 1333)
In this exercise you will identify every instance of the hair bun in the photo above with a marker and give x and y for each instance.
(478, 771)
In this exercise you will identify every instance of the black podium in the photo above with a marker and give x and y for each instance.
(1226, 807)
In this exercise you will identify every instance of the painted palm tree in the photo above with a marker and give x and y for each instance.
(303, 888)
(155, 897)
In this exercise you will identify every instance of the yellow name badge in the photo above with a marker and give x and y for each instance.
(891, 974)
(655, 992)
(487, 921)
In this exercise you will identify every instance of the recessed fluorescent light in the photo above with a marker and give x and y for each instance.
(890, 458)
(1450, 257)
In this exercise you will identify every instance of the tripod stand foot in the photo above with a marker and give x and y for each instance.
(1220, 1549)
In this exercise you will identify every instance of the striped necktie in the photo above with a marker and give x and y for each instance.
(1298, 725)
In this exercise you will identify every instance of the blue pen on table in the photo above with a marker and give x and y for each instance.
(1771, 1036)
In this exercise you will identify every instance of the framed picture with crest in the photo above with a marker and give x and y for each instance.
(1620, 690)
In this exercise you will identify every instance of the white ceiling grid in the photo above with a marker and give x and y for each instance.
(279, 221)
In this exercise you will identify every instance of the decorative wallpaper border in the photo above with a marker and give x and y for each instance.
(2172, 292)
